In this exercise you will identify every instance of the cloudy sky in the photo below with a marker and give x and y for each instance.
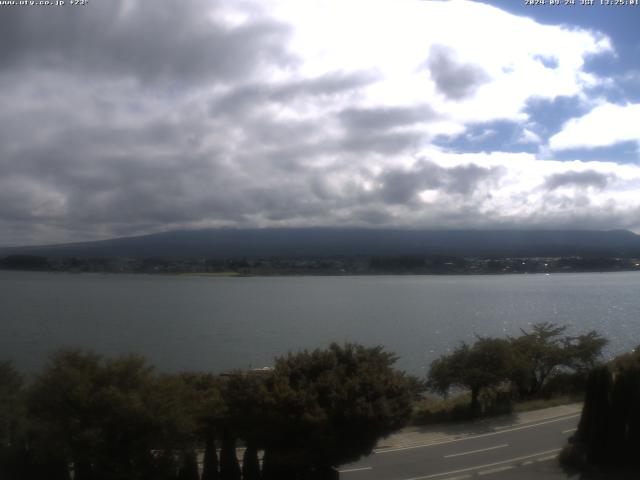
(124, 117)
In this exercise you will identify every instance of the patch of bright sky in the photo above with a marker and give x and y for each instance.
(620, 23)
(492, 137)
(625, 152)
(550, 115)
(618, 72)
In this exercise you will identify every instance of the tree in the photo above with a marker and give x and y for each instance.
(328, 407)
(583, 352)
(250, 464)
(594, 422)
(229, 466)
(208, 410)
(164, 466)
(482, 365)
(11, 413)
(188, 466)
(210, 462)
(25, 262)
(316, 410)
(537, 354)
(106, 414)
(12, 423)
(609, 428)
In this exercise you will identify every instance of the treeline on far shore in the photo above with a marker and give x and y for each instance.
(88, 416)
(341, 265)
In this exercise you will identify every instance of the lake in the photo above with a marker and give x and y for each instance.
(218, 324)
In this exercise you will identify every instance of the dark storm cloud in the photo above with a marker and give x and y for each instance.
(372, 216)
(149, 40)
(454, 80)
(329, 84)
(383, 118)
(402, 186)
(376, 143)
(253, 96)
(586, 178)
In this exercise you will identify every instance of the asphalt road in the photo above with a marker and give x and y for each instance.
(522, 451)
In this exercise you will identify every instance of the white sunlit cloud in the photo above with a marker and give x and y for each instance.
(397, 38)
(605, 125)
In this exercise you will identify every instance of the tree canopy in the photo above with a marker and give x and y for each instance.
(609, 428)
(322, 408)
(484, 364)
(107, 414)
(526, 361)
(117, 418)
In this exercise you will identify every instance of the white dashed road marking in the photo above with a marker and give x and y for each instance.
(476, 451)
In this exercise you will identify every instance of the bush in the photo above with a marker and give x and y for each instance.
(565, 384)
(432, 410)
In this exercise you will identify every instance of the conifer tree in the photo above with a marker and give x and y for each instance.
(229, 467)
(166, 467)
(82, 470)
(210, 462)
(188, 466)
(250, 464)
(593, 426)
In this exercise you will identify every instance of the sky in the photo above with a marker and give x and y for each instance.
(127, 117)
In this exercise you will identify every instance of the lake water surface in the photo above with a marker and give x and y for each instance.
(217, 324)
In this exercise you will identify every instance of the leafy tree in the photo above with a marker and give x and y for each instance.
(11, 411)
(12, 423)
(627, 361)
(609, 428)
(543, 350)
(594, 422)
(583, 352)
(537, 354)
(209, 412)
(206, 403)
(106, 414)
(482, 365)
(328, 407)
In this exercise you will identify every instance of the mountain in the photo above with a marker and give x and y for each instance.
(323, 242)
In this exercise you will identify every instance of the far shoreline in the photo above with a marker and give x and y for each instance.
(311, 275)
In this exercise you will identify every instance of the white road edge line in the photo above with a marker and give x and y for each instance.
(471, 437)
(547, 458)
(495, 470)
(476, 451)
(542, 419)
(569, 430)
(349, 470)
(489, 465)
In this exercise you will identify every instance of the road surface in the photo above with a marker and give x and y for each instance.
(516, 451)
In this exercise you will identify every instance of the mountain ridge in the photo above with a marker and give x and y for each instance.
(335, 241)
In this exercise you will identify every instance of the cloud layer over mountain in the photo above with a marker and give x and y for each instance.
(128, 117)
